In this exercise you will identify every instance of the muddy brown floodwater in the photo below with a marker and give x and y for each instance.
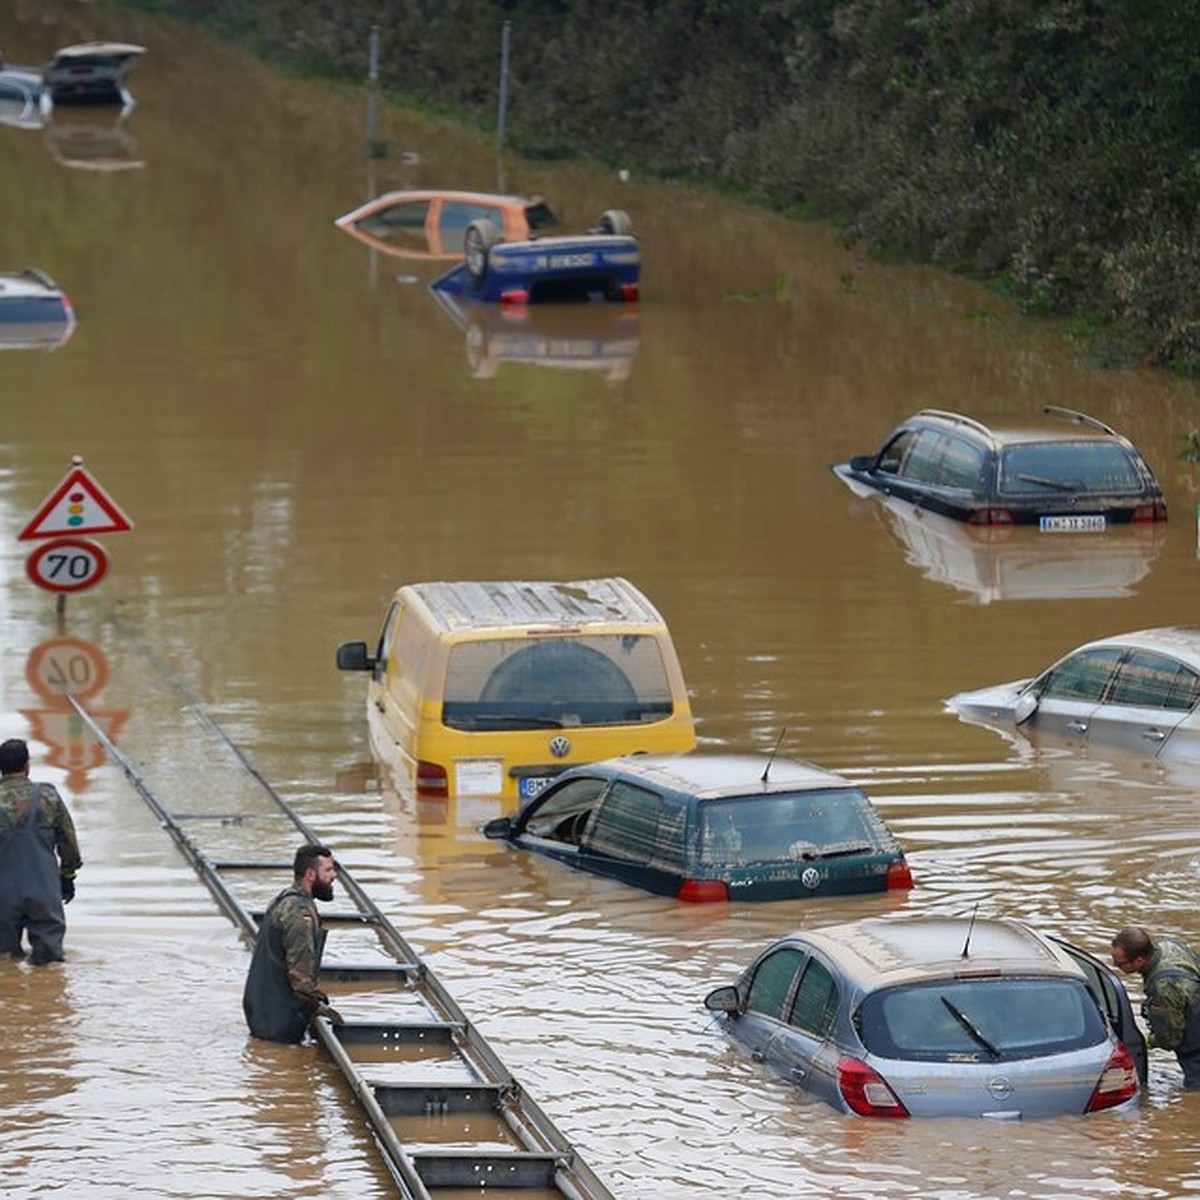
(296, 427)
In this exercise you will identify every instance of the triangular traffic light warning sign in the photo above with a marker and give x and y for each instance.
(78, 505)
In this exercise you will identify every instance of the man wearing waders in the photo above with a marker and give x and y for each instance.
(281, 997)
(38, 860)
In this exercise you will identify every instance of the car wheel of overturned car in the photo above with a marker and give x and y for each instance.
(480, 237)
(615, 220)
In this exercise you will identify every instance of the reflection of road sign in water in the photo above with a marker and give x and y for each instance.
(66, 664)
(67, 565)
(77, 505)
(70, 744)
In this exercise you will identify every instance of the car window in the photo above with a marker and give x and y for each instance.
(894, 452)
(556, 812)
(772, 982)
(559, 682)
(962, 463)
(404, 222)
(923, 462)
(788, 826)
(1154, 681)
(1082, 676)
(1038, 468)
(816, 999)
(456, 215)
(637, 825)
(990, 1019)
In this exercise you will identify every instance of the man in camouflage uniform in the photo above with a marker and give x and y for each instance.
(281, 997)
(1170, 974)
(39, 856)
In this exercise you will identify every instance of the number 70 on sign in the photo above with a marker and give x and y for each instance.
(67, 564)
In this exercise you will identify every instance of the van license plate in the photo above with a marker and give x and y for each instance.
(1094, 523)
(533, 785)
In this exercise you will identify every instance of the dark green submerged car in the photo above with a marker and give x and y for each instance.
(712, 827)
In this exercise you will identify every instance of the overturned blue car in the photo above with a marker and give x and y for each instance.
(603, 264)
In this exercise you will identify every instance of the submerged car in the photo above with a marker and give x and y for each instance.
(493, 688)
(703, 827)
(35, 313)
(939, 1017)
(602, 264)
(431, 223)
(1064, 473)
(1135, 691)
(92, 73)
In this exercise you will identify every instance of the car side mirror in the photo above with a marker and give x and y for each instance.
(862, 462)
(724, 999)
(353, 656)
(1026, 706)
(498, 828)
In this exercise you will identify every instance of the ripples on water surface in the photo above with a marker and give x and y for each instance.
(295, 432)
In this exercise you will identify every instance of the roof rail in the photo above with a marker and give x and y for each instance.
(1071, 414)
(945, 414)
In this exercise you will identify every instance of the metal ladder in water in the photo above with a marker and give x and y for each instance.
(448, 1117)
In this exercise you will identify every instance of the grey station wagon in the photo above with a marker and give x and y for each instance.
(936, 1017)
(712, 827)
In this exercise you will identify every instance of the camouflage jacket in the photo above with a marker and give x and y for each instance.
(1172, 981)
(53, 821)
(295, 915)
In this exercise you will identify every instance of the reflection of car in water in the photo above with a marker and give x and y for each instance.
(1135, 691)
(493, 688)
(602, 338)
(35, 313)
(432, 223)
(1000, 562)
(939, 1017)
(92, 140)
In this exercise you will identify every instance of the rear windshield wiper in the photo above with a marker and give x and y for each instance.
(969, 1025)
(504, 720)
(1058, 485)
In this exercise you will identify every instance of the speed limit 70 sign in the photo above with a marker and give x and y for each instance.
(67, 564)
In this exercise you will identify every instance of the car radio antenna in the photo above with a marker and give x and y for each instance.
(970, 929)
(771, 759)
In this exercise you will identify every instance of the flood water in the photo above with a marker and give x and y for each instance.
(295, 428)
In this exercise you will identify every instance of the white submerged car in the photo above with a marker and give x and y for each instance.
(1138, 692)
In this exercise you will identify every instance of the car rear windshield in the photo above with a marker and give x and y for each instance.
(789, 827)
(989, 1019)
(1045, 468)
(558, 682)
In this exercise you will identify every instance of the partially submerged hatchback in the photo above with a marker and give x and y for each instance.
(1063, 472)
(705, 826)
(494, 688)
(939, 1017)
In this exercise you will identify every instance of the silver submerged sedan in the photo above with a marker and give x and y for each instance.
(1135, 691)
(939, 1017)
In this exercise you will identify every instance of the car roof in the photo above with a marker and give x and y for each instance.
(1052, 424)
(882, 951)
(498, 199)
(711, 776)
(519, 604)
(1181, 641)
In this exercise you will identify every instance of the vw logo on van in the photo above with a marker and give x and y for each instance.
(560, 746)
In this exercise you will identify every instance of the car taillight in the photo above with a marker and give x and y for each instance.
(514, 296)
(899, 875)
(1145, 514)
(1118, 1083)
(702, 891)
(431, 779)
(865, 1091)
(991, 516)
(629, 292)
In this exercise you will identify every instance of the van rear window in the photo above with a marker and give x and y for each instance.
(556, 682)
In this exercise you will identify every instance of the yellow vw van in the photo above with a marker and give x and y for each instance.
(494, 688)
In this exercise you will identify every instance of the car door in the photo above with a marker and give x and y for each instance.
(635, 834)
(800, 1049)
(769, 994)
(1110, 995)
(1148, 697)
(1071, 691)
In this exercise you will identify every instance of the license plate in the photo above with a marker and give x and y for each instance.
(1094, 523)
(533, 785)
(572, 260)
